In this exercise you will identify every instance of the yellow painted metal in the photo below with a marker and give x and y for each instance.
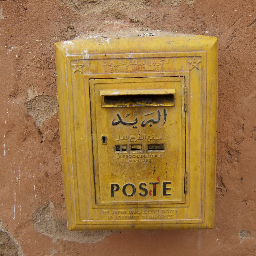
(138, 128)
(138, 131)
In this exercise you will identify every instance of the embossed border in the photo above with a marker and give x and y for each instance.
(193, 62)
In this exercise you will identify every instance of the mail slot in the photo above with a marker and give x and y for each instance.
(138, 131)
(137, 98)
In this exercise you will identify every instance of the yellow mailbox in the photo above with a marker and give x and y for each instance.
(138, 131)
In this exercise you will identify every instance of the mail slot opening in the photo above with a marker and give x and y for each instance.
(137, 98)
(156, 147)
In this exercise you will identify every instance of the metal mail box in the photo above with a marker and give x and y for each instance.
(138, 131)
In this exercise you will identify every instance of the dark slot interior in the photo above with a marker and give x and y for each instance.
(120, 148)
(139, 100)
(124, 147)
(136, 147)
(156, 147)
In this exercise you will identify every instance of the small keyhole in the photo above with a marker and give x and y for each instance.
(104, 140)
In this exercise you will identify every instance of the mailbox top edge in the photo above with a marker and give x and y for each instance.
(115, 44)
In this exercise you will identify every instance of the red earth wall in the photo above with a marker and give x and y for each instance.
(32, 204)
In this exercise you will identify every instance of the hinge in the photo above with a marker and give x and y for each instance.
(185, 98)
(185, 182)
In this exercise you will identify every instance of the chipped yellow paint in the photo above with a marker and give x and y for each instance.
(138, 131)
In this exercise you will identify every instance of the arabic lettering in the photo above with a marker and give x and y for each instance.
(135, 138)
(150, 121)
(143, 124)
(126, 137)
(123, 122)
(152, 137)
(165, 115)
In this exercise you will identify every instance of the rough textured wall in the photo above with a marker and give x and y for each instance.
(32, 208)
